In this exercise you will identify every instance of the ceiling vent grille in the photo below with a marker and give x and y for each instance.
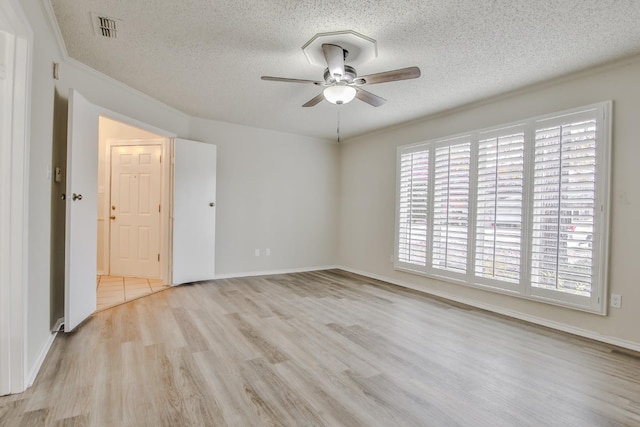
(104, 26)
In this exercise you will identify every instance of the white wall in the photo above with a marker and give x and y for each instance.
(367, 209)
(39, 203)
(280, 191)
(274, 190)
(107, 93)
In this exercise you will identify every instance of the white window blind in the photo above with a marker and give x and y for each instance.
(413, 200)
(564, 207)
(451, 207)
(521, 208)
(500, 189)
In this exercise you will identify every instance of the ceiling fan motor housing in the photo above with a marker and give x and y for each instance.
(349, 75)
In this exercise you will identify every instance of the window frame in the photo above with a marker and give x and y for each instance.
(597, 301)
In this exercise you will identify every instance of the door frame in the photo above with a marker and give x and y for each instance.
(14, 215)
(165, 200)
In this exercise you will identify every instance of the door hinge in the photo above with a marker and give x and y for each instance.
(160, 158)
(158, 257)
(158, 208)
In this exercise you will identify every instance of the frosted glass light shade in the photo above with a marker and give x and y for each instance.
(339, 94)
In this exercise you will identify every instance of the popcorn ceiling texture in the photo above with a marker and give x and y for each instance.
(206, 57)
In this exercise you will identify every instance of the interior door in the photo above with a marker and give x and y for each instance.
(135, 210)
(82, 211)
(194, 211)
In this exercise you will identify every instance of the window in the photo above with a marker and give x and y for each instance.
(414, 181)
(500, 189)
(451, 207)
(520, 209)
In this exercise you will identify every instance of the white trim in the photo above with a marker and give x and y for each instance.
(165, 199)
(607, 339)
(51, 17)
(33, 372)
(593, 303)
(118, 117)
(272, 272)
(14, 216)
(58, 325)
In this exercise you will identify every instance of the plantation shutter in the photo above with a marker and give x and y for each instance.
(413, 208)
(564, 206)
(521, 208)
(451, 207)
(499, 207)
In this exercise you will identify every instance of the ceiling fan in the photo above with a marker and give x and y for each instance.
(341, 82)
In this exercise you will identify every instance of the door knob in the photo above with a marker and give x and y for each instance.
(212, 204)
(112, 217)
(75, 197)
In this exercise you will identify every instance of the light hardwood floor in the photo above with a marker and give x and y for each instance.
(321, 349)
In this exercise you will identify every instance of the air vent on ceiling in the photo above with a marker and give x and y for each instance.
(105, 26)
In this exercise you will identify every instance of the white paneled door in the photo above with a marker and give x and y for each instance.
(135, 210)
(82, 211)
(194, 211)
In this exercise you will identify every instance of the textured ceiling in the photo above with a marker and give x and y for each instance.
(205, 57)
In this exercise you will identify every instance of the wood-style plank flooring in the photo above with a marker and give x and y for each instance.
(321, 349)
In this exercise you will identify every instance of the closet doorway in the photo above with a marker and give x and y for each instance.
(187, 217)
(133, 187)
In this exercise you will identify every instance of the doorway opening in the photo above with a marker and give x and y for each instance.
(133, 213)
(187, 236)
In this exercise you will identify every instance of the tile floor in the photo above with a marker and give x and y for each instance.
(114, 290)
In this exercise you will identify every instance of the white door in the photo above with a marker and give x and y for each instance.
(82, 211)
(135, 210)
(194, 212)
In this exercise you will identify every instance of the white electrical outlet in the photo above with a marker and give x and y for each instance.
(616, 300)
(267, 252)
(257, 252)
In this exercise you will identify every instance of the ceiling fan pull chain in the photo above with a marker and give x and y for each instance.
(338, 130)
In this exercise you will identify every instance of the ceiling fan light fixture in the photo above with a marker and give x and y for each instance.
(339, 94)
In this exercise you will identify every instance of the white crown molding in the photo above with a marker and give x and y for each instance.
(629, 345)
(125, 87)
(53, 22)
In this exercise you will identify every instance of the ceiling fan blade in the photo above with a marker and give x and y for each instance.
(334, 55)
(389, 76)
(369, 98)
(287, 80)
(314, 101)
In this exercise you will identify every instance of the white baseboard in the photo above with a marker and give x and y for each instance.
(271, 272)
(33, 372)
(630, 345)
(58, 325)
